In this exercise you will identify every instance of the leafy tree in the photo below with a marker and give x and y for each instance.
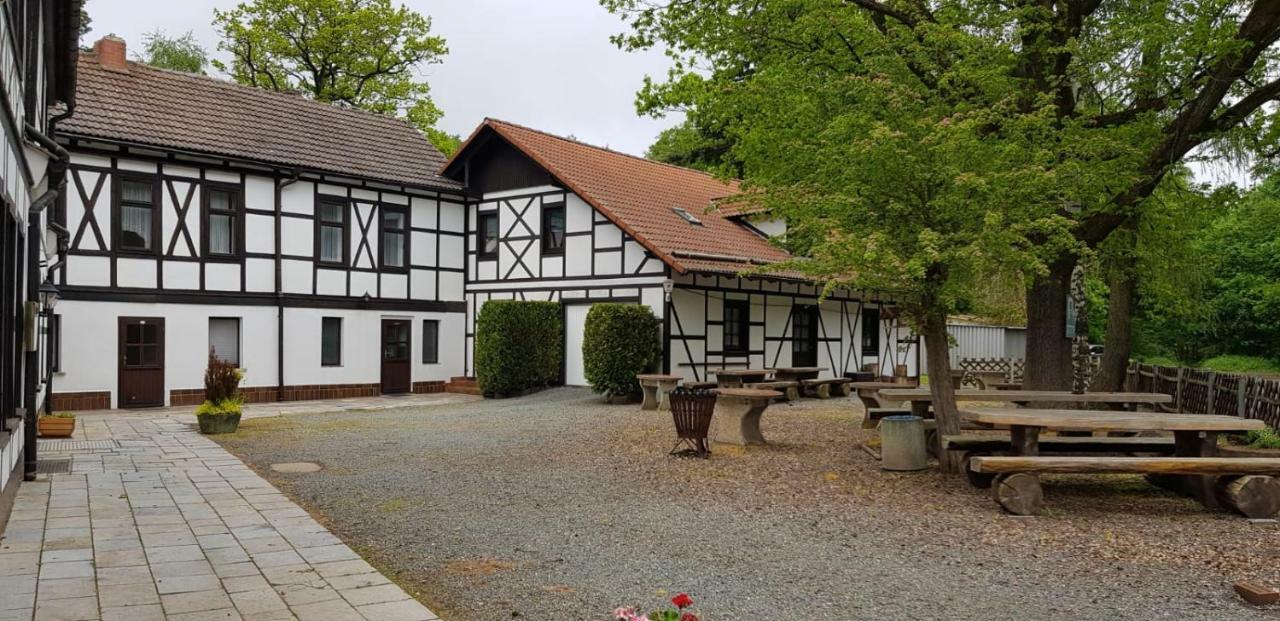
(925, 181)
(446, 143)
(1118, 94)
(361, 53)
(691, 146)
(86, 22)
(177, 53)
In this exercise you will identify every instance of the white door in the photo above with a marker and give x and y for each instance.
(575, 324)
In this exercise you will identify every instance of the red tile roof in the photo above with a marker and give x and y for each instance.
(639, 196)
(169, 109)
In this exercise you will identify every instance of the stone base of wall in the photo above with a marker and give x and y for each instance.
(423, 388)
(79, 401)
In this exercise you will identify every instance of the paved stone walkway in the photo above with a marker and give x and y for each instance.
(155, 521)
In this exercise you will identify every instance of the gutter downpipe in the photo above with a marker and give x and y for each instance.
(280, 284)
(57, 169)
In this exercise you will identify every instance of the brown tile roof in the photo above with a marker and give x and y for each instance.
(202, 114)
(639, 194)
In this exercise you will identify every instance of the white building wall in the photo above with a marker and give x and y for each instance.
(93, 367)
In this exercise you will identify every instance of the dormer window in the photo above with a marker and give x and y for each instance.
(688, 217)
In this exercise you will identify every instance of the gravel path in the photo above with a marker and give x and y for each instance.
(556, 506)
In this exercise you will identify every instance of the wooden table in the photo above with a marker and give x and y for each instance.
(735, 378)
(737, 416)
(920, 398)
(795, 374)
(655, 388)
(869, 392)
(1195, 435)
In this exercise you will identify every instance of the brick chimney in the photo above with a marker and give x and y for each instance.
(111, 53)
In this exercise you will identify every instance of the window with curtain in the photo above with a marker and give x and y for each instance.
(430, 341)
(224, 339)
(332, 236)
(487, 242)
(394, 232)
(137, 209)
(331, 342)
(553, 229)
(737, 325)
(222, 210)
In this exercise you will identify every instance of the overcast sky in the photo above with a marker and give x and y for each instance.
(545, 63)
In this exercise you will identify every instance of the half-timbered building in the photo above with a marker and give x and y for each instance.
(38, 40)
(313, 246)
(551, 218)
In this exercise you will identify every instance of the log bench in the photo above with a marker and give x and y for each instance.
(790, 390)
(823, 388)
(1245, 484)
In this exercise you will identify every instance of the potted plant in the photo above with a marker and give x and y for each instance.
(220, 412)
(56, 425)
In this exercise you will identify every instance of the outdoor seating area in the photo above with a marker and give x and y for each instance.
(1013, 445)
(741, 397)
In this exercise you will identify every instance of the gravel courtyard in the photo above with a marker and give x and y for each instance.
(556, 506)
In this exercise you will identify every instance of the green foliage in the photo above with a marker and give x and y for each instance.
(1266, 438)
(230, 405)
(693, 146)
(620, 340)
(444, 142)
(181, 53)
(362, 53)
(1240, 364)
(519, 346)
(221, 380)
(58, 415)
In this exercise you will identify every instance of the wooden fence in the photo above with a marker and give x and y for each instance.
(1195, 391)
(1200, 391)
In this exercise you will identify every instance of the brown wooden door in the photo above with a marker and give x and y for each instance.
(395, 355)
(804, 336)
(141, 362)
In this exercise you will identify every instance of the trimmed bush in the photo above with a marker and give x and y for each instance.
(519, 346)
(621, 340)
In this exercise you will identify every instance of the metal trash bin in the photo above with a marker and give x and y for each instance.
(902, 443)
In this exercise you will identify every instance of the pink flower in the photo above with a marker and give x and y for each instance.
(624, 614)
(688, 616)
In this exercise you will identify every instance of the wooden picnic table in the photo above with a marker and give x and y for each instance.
(795, 374)
(1195, 435)
(920, 398)
(869, 392)
(736, 378)
(655, 387)
(737, 415)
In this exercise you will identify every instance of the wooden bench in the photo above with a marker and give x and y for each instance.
(1247, 484)
(790, 390)
(875, 415)
(1063, 444)
(822, 388)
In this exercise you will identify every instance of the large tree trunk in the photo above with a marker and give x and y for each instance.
(1048, 357)
(938, 361)
(1119, 342)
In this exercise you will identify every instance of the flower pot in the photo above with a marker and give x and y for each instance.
(218, 423)
(56, 426)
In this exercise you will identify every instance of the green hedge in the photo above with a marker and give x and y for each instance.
(519, 346)
(620, 341)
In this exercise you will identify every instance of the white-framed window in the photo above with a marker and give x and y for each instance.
(224, 339)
